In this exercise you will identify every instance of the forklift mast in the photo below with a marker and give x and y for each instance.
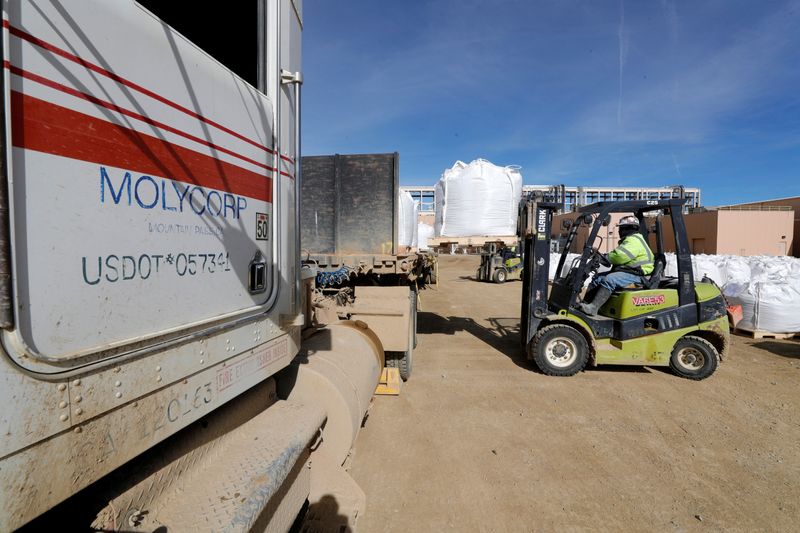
(534, 224)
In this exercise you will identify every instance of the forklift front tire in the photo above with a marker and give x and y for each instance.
(694, 358)
(500, 275)
(559, 350)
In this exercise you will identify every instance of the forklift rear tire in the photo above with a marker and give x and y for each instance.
(500, 275)
(559, 350)
(694, 358)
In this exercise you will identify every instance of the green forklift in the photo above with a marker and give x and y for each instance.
(499, 263)
(664, 321)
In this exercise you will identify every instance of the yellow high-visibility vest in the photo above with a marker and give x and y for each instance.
(633, 252)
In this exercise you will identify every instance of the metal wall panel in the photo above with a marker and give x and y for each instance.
(349, 204)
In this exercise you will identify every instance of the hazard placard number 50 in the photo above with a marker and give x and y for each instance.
(262, 227)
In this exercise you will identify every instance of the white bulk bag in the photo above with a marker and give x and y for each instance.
(478, 198)
(424, 232)
(415, 227)
(769, 307)
(407, 219)
(708, 265)
(770, 296)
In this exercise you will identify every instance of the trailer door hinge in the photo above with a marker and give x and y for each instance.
(288, 78)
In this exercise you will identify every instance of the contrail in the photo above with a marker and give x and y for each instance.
(622, 57)
(677, 166)
(671, 13)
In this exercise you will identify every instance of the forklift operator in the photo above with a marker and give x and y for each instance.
(631, 260)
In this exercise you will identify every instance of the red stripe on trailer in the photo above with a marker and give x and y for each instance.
(114, 107)
(52, 129)
(135, 86)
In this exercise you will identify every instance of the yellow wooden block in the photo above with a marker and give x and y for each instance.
(389, 384)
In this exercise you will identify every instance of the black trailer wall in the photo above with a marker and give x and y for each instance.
(349, 204)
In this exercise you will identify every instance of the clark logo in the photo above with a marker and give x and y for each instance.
(649, 300)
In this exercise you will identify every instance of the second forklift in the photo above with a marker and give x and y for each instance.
(499, 263)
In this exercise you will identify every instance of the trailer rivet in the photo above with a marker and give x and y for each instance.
(61, 387)
(78, 411)
(201, 352)
(62, 404)
(63, 418)
(158, 369)
(78, 429)
(158, 378)
(202, 361)
(227, 341)
(78, 398)
(76, 383)
(117, 383)
(118, 395)
(117, 369)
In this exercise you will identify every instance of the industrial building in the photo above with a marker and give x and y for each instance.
(575, 197)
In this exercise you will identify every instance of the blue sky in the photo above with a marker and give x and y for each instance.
(659, 92)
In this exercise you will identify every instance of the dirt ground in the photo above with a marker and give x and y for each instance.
(480, 441)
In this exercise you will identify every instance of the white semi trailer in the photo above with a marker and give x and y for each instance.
(152, 371)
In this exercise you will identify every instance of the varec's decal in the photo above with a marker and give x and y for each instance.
(649, 300)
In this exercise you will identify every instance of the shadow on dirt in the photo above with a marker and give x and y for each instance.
(790, 349)
(503, 336)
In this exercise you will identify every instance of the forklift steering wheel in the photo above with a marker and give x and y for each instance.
(601, 258)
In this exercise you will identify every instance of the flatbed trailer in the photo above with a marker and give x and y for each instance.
(349, 229)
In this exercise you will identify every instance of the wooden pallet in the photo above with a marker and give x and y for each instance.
(476, 240)
(761, 334)
(389, 384)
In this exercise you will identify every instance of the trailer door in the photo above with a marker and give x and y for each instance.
(141, 186)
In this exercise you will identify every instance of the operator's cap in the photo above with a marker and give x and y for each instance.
(629, 221)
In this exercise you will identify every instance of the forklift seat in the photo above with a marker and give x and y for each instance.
(654, 279)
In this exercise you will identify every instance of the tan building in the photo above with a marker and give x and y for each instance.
(791, 202)
(608, 233)
(725, 231)
(735, 231)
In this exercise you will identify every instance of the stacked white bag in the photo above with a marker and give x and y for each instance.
(424, 232)
(767, 288)
(770, 299)
(478, 198)
(408, 213)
